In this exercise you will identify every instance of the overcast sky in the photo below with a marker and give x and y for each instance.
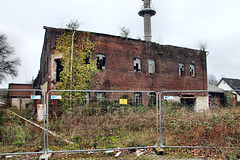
(177, 22)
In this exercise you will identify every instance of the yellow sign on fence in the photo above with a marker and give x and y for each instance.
(123, 101)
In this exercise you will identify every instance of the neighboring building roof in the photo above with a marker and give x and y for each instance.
(215, 89)
(233, 83)
(24, 84)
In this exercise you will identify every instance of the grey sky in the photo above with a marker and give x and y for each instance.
(178, 22)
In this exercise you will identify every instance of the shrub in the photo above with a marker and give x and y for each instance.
(14, 135)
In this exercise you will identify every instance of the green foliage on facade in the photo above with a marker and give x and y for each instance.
(78, 66)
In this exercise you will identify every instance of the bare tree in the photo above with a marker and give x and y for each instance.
(212, 79)
(202, 45)
(8, 64)
(124, 32)
(74, 25)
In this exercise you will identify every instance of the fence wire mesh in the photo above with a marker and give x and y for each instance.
(122, 124)
(88, 120)
(205, 122)
(20, 128)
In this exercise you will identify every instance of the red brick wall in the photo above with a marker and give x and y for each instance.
(20, 93)
(119, 73)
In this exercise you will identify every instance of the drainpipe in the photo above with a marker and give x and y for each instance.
(71, 78)
(72, 58)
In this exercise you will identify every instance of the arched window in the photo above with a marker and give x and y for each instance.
(138, 97)
(181, 69)
(192, 70)
(101, 61)
(151, 66)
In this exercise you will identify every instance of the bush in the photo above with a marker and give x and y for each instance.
(14, 135)
(229, 99)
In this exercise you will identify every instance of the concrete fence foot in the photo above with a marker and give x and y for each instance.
(159, 151)
(45, 156)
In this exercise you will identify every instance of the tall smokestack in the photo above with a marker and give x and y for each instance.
(147, 12)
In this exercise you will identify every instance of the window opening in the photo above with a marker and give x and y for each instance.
(87, 97)
(152, 98)
(181, 69)
(137, 65)
(192, 70)
(86, 59)
(44, 68)
(188, 102)
(100, 96)
(47, 66)
(138, 97)
(59, 69)
(151, 66)
(101, 61)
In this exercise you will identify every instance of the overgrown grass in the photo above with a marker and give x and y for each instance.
(94, 127)
(101, 126)
(218, 128)
(17, 135)
(132, 126)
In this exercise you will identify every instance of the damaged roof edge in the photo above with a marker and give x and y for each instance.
(140, 40)
(65, 29)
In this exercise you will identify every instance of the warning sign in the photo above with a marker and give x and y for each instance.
(123, 101)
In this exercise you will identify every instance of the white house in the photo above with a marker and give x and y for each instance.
(230, 84)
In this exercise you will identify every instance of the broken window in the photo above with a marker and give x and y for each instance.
(100, 96)
(101, 61)
(152, 98)
(151, 66)
(181, 69)
(138, 97)
(192, 70)
(47, 66)
(188, 102)
(137, 65)
(44, 68)
(59, 69)
(87, 59)
(87, 97)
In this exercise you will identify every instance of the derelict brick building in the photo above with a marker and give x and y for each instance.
(19, 99)
(130, 64)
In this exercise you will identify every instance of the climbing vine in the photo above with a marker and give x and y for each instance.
(79, 70)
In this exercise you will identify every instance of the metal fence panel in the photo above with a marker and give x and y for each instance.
(21, 129)
(98, 120)
(101, 120)
(199, 119)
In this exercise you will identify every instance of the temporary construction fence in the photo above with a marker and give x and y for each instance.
(199, 119)
(101, 120)
(21, 130)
